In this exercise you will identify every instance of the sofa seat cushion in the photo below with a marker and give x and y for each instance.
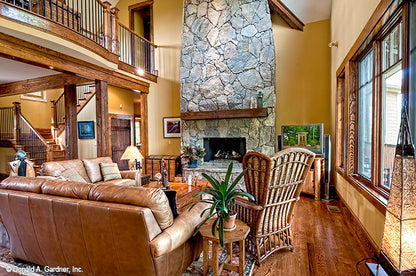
(55, 168)
(120, 182)
(92, 166)
(152, 198)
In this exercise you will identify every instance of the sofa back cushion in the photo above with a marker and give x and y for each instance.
(152, 198)
(92, 166)
(55, 168)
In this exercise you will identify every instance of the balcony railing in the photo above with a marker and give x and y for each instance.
(136, 50)
(98, 22)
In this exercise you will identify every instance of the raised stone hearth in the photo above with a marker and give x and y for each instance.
(227, 57)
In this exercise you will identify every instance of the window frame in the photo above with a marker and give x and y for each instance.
(387, 15)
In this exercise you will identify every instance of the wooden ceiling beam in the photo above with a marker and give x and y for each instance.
(40, 84)
(287, 15)
(34, 54)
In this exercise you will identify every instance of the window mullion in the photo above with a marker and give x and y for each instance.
(377, 114)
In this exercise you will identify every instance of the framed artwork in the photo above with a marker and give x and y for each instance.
(171, 127)
(35, 96)
(86, 130)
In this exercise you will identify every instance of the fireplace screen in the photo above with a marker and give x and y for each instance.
(224, 149)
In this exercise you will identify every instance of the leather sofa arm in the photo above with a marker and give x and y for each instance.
(133, 174)
(179, 232)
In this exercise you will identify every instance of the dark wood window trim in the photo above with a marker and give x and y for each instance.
(387, 14)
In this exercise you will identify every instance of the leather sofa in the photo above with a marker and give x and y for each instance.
(100, 229)
(89, 170)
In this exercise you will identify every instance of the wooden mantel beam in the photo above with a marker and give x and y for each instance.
(286, 14)
(39, 84)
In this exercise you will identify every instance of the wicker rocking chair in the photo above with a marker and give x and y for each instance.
(275, 182)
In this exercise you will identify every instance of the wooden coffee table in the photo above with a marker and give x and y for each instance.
(184, 192)
(239, 235)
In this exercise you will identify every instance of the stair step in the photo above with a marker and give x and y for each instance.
(59, 158)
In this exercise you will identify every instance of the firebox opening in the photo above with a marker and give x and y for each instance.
(224, 149)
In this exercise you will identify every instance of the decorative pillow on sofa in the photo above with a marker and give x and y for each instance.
(72, 175)
(110, 171)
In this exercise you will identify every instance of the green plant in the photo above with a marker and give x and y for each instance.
(190, 153)
(221, 198)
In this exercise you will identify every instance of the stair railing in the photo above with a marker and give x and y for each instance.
(6, 123)
(16, 129)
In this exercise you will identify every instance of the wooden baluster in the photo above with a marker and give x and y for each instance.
(16, 127)
(54, 114)
(114, 31)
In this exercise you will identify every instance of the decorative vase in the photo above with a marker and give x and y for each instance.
(230, 225)
(193, 163)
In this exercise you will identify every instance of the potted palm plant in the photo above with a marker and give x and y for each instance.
(221, 197)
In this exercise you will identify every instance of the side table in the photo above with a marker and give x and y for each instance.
(239, 235)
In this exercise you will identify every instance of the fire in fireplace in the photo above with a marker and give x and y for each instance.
(224, 149)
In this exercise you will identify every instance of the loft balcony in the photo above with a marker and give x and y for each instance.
(91, 25)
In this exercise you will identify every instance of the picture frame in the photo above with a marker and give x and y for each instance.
(86, 130)
(39, 96)
(171, 127)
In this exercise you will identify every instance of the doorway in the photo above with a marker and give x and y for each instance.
(121, 137)
(141, 19)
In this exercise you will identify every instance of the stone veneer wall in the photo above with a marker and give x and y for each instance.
(227, 57)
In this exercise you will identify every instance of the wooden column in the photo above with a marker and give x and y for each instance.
(103, 132)
(144, 124)
(71, 133)
(114, 32)
(107, 26)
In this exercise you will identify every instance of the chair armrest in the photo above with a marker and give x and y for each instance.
(133, 174)
(179, 232)
(248, 204)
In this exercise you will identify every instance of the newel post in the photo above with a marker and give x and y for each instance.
(16, 126)
(107, 26)
(114, 31)
(54, 114)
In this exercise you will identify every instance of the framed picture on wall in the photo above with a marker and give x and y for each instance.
(171, 127)
(86, 130)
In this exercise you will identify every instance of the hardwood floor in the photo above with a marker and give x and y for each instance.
(324, 245)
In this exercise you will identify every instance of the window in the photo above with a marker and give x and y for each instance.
(365, 121)
(374, 82)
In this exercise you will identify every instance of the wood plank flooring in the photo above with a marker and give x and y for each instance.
(324, 245)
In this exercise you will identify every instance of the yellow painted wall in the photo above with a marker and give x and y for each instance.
(38, 114)
(120, 101)
(164, 96)
(348, 19)
(4, 152)
(303, 91)
(87, 148)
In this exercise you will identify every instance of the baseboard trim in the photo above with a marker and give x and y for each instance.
(361, 233)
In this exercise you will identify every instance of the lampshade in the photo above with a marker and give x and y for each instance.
(399, 238)
(131, 153)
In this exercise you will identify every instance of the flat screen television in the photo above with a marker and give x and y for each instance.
(309, 136)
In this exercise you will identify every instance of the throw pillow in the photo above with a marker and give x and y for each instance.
(171, 195)
(72, 175)
(110, 171)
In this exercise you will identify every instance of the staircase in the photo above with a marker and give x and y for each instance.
(84, 95)
(41, 145)
(56, 152)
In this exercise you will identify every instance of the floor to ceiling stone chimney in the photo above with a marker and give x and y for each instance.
(227, 58)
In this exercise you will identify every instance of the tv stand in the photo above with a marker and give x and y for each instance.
(315, 178)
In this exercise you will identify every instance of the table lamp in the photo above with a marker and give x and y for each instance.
(132, 154)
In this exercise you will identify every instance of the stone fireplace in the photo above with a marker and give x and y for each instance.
(227, 58)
